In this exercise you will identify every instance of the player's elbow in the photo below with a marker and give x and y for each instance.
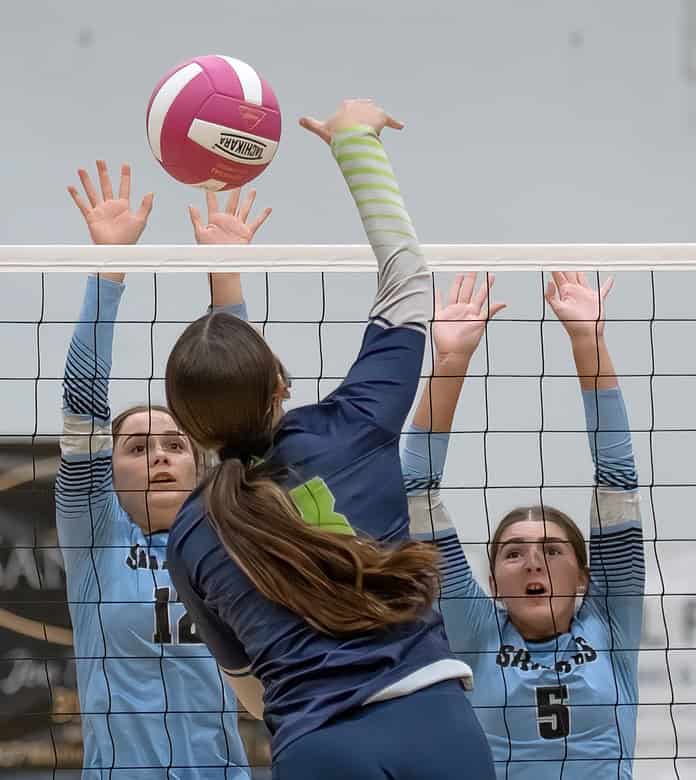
(249, 692)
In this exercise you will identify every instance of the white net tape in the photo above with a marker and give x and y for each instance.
(348, 257)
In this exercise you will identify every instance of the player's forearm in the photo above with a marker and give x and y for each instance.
(616, 542)
(225, 289)
(249, 691)
(423, 456)
(403, 294)
(88, 363)
(84, 483)
(609, 437)
(593, 363)
(464, 606)
(438, 402)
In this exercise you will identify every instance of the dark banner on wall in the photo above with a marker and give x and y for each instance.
(39, 720)
(39, 708)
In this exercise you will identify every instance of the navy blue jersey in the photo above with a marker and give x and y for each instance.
(350, 440)
(346, 447)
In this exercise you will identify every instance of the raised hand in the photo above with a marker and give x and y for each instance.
(228, 226)
(578, 305)
(349, 114)
(458, 326)
(109, 219)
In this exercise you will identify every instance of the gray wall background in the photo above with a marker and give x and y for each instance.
(539, 121)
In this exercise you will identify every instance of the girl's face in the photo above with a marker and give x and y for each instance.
(537, 576)
(154, 469)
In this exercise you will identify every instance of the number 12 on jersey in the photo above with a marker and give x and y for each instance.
(185, 629)
(553, 714)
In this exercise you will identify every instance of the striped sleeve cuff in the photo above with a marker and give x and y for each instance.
(423, 458)
(235, 309)
(245, 672)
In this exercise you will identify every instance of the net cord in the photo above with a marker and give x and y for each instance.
(344, 257)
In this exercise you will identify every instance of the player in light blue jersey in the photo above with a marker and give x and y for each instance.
(293, 557)
(555, 655)
(153, 704)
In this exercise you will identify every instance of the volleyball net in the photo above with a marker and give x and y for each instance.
(518, 438)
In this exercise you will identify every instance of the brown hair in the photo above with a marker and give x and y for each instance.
(120, 419)
(541, 514)
(222, 383)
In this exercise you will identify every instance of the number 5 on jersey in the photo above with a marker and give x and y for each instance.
(553, 715)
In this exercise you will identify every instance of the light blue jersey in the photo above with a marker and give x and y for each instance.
(152, 701)
(567, 707)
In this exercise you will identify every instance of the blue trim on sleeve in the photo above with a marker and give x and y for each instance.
(423, 457)
(609, 437)
(86, 505)
(97, 317)
(88, 363)
(235, 309)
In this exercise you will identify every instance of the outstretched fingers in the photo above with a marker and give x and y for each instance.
(316, 127)
(256, 224)
(495, 308)
(438, 303)
(88, 187)
(233, 201)
(490, 308)
(551, 293)
(125, 183)
(395, 124)
(482, 295)
(247, 205)
(560, 279)
(211, 203)
(145, 207)
(454, 292)
(104, 180)
(79, 201)
(605, 289)
(467, 287)
(196, 221)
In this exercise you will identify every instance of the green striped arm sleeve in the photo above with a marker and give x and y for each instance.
(403, 294)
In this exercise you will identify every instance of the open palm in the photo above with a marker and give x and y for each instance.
(351, 113)
(458, 326)
(109, 219)
(576, 304)
(229, 226)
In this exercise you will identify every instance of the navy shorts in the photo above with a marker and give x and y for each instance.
(431, 734)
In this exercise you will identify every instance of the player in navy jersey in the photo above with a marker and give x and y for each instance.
(293, 558)
(555, 654)
(153, 704)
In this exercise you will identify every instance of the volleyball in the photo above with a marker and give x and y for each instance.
(213, 122)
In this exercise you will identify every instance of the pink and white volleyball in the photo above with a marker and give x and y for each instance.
(213, 122)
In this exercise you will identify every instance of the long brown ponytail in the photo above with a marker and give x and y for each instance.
(222, 384)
